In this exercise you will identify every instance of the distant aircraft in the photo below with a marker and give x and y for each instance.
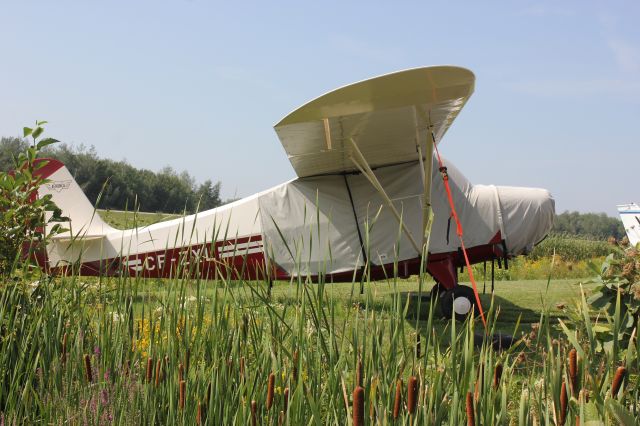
(630, 215)
(369, 182)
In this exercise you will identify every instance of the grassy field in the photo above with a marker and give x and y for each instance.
(124, 350)
(522, 301)
(184, 351)
(125, 220)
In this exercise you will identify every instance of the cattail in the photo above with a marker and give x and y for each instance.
(270, 386)
(87, 368)
(183, 391)
(286, 399)
(245, 325)
(242, 367)
(617, 380)
(254, 413)
(564, 402)
(295, 364)
(64, 349)
(397, 403)
(127, 368)
(497, 375)
(418, 344)
(281, 418)
(573, 371)
(412, 394)
(149, 373)
(359, 372)
(471, 416)
(158, 372)
(199, 415)
(358, 406)
(180, 372)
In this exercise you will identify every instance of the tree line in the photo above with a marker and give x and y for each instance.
(593, 225)
(118, 185)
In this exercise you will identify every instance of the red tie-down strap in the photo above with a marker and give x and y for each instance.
(459, 231)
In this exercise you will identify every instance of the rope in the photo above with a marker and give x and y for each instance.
(454, 214)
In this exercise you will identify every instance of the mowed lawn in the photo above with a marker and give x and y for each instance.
(518, 301)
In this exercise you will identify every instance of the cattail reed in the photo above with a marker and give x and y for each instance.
(180, 372)
(296, 356)
(64, 349)
(158, 372)
(182, 394)
(564, 403)
(573, 371)
(397, 402)
(358, 406)
(199, 414)
(471, 416)
(286, 399)
(270, 387)
(87, 368)
(245, 326)
(412, 394)
(359, 372)
(254, 413)
(497, 375)
(418, 345)
(149, 373)
(126, 367)
(617, 380)
(281, 418)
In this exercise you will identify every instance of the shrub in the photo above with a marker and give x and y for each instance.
(24, 216)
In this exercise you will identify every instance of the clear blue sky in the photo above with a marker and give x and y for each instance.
(198, 85)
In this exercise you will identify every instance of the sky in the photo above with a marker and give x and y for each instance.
(198, 85)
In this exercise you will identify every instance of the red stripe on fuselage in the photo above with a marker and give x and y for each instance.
(207, 261)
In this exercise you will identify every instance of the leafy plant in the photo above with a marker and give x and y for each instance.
(615, 301)
(23, 215)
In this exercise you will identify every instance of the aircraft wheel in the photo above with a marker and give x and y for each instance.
(460, 300)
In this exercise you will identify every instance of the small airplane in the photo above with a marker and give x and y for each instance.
(630, 215)
(372, 196)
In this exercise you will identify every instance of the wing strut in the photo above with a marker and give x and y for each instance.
(426, 167)
(361, 163)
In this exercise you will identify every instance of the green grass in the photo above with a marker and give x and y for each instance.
(125, 220)
(522, 301)
(126, 350)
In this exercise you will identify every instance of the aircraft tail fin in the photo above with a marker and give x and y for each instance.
(630, 215)
(69, 197)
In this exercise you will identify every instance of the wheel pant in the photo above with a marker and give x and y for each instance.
(445, 179)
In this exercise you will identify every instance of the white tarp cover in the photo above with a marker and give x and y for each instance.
(522, 215)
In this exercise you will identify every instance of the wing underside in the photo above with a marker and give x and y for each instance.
(387, 117)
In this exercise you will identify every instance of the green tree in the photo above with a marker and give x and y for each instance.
(208, 195)
(9, 150)
(596, 225)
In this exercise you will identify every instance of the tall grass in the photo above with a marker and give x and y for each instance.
(105, 370)
(108, 352)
